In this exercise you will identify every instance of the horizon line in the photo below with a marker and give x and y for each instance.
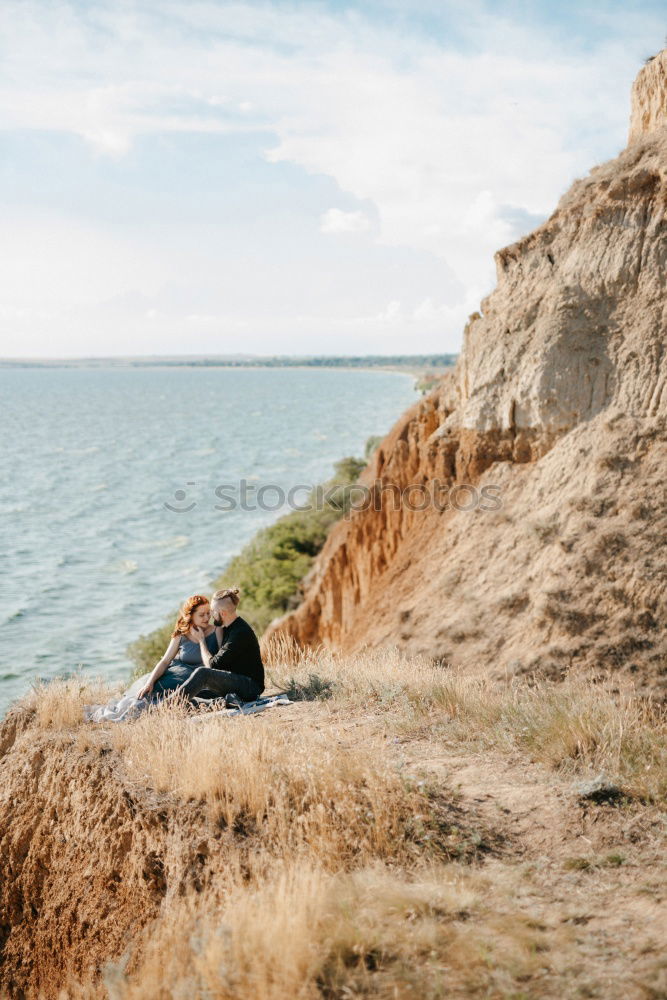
(36, 359)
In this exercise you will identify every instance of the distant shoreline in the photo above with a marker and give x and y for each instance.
(407, 364)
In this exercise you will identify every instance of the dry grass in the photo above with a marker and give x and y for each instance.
(341, 875)
(299, 788)
(58, 704)
(574, 726)
(376, 932)
(577, 725)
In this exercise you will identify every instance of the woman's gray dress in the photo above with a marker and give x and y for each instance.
(129, 705)
(181, 667)
(184, 664)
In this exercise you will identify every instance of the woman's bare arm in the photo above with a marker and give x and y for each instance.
(161, 666)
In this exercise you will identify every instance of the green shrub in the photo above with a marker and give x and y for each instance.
(316, 688)
(270, 567)
(425, 383)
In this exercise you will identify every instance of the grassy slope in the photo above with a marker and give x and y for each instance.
(411, 832)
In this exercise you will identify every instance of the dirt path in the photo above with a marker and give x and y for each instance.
(595, 876)
(597, 871)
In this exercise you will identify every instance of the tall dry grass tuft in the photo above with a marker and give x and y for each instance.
(58, 704)
(373, 676)
(281, 651)
(300, 789)
(306, 933)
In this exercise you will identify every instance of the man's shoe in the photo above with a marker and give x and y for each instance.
(233, 701)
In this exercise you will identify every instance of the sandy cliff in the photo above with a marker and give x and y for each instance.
(649, 99)
(559, 402)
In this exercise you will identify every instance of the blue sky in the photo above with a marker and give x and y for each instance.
(185, 177)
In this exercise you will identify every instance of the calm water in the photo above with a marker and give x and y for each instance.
(92, 556)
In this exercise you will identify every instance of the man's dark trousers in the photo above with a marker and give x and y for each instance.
(220, 682)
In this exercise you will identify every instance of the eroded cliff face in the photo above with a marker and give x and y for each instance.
(558, 407)
(649, 99)
(85, 860)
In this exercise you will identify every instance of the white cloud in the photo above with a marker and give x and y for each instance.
(337, 221)
(456, 152)
(391, 313)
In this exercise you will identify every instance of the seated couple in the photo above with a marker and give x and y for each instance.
(207, 659)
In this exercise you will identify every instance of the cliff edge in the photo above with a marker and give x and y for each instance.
(557, 410)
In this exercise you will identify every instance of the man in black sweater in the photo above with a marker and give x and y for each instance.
(237, 667)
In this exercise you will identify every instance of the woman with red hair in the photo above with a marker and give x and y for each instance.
(183, 654)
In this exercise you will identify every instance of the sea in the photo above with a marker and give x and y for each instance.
(126, 490)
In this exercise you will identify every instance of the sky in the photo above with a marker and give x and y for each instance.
(308, 177)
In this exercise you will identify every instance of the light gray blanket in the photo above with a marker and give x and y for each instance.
(130, 707)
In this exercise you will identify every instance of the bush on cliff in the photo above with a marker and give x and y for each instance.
(270, 567)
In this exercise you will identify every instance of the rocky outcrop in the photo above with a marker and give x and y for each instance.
(557, 409)
(649, 99)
